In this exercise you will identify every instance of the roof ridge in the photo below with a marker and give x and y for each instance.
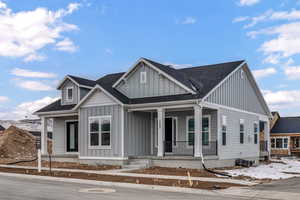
(202, 66)
(80, 77)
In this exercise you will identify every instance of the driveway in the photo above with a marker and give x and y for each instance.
(12, 188)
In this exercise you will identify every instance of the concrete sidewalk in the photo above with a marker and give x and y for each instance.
(123, 173)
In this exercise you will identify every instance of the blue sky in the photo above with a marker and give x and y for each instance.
(43, 40)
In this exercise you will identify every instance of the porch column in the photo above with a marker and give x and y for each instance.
(198, 131)
(267, 135)
(160, 131)
(44, 136)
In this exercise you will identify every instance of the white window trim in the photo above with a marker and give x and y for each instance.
(99, 118)
(224, 123)
(143, 77)
(257, 123)
(155, 127)
(242, 121)
(187, 131)
(67, 94)
(275, 148)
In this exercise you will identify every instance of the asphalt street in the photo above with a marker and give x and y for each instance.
(12, 188)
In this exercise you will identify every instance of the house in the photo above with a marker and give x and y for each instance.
(2, 129)
(285, 135)
(159, 114)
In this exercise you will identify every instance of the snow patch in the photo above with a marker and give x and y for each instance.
(273, 171)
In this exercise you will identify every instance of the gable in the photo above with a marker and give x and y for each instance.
(98, 98)
(238, 91)
(156, 84)
(66, 84)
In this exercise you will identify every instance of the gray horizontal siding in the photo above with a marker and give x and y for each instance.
(115, 112)
(237, 93)
(66, 84)
(137, 134)
(233, 149)
(157, 85)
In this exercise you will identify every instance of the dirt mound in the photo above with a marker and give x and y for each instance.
(17, 144)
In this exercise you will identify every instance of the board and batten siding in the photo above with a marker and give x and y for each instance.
(233, 149)
(237, 92)
(83, 92)
(116, 130)
(59, 135)
(137, 133)
(156, 84)
(64, 87)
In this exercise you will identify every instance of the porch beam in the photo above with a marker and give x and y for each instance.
(198, 131)
(44, 136)
(160, 131)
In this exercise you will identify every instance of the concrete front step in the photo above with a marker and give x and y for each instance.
(137, 164)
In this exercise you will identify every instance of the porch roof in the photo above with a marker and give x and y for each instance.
(286, 125)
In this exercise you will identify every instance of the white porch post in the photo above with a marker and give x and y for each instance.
(44, 136)
(160, 131)
(267, 136)
(198, 131)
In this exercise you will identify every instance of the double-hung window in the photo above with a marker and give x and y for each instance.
(255, 127)
(242, 131)
(224, 130)
(191, 130)
(100, 132)
(69, 93)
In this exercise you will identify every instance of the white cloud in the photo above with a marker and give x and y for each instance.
(178, 65)
(108, 51)
(24, 33)
(26, 109)
(31, 74)
(34, 57)
(248, 2)
(3, 98)
(292, 72)
(34, 85)
(66, 45)
(189, 20)
(282, 99)
(240, 19)
(273, 59)
(262, 73)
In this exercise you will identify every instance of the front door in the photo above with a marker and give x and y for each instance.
(168, 134)
(72, 136)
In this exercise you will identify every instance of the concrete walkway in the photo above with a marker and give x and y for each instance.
(122, 172)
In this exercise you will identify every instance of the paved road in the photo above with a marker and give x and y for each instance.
(12, 188)
(287, 185)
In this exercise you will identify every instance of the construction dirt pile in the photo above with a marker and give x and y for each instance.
(17, 144)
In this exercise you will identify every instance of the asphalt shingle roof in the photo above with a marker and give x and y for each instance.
(2, 128)
(286, 125)
(202, 79)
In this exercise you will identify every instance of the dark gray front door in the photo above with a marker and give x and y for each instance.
(72, 136)
(168, 135)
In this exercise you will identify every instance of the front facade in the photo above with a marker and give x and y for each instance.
(170, 116)
(285, 135)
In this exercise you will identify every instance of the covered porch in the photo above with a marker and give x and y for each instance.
(188, 131)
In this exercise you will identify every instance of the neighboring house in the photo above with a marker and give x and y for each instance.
(167, 116)
(2, 129)
(285, 135)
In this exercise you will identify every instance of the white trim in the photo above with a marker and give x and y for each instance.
(176, 119)
(71, 79)
(227, 77)
(122, 132)
(155, 132)
(152, 132)
(257, 123)
(67, 94)
(242, 122)
(281, 137)
(52, 114)
(101, 158)
(218, 106)
(92, 91)
(158, 70)
(209, 130)
(96, 105)
(143, 77)
(100, 146)
(164, 107)
(66, 142)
